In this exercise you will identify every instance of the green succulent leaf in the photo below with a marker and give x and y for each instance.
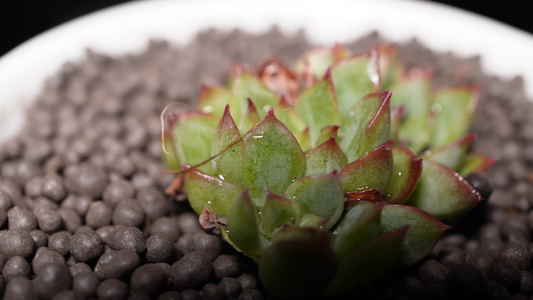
(317, 107)
(250, 118)
(170, 158)
(307, 261)
(424, 231)
(373, 170)
(354, 78)
(396, 116)
(193, 136)
(317, 61)
(325, 158)
(443, 193)
(304, 139)
(288, 116)
(389, 69)
(326, 133)
(228, 165)
(277, 212)
(453, 106)
(406, 171)
(311, 192)
(272, 158)
(243, 226)
(357, 226)
(203, 189)
(367, 126)
(475, 162)
(453, 154)
(368, 262)
(413, 93)
(213, 99)
(246, 86)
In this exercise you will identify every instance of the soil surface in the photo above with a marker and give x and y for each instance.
(83, 212)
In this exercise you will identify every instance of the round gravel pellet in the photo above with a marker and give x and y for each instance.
(227, 266)
(231, 286)
(16, 242)
(49, 220)
(465, 279)
(71, 219)
(19, 288)
(505, 273)
(79, 268)
(159, 248)
(40, 238)
(51, 279)
(60, 242)
(153, 202)
(251, 294)
(53, 187)
(80, 204)
(117, 191)
(5, 200)
(20, 218)
(16, 266)
(67, 295)
(86, 283)
(86, 245)
(213, 291)
(98, 215)
(190, 294)
(118, 264)
(248, 281)
(188, 223)
(433, 271)
(86, 179)
(202, 241)
(169, 295)
(129, 213)
(192, 271)
(45, 255)
(517, 253)
(168, 226)
(113, 289)
(149, 279)
(127, 237)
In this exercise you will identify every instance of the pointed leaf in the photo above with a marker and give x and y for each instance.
(250, 118)
(389, 68)
(320, 195)
(453, 106)
(243, 226)
(213, 99)
(304, 139)
(203, 189)
(354, 78)
(357, 226)
(272, 158)
(443, 193)
(373, 170)
(368, 262)
(228, 165)
(299, 263)
(192, 133)
(367, 126)
(278, 211)
(287, 115)
(317, 107)
(325, 158)
(246, 86)
(453, 154)
(326, 133)
(475, 162)
(406, 171)
(318, 60)
(424, 231)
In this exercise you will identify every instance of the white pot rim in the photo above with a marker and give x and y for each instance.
(506, 51)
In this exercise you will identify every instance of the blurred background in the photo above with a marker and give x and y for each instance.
(23, 19)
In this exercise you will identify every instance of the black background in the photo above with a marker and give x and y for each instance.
(23, 19)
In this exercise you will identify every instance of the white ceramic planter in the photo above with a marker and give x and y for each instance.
(505, 51)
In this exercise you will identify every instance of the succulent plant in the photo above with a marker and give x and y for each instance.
(322, 175)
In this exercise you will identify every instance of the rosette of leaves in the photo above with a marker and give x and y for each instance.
(320, 173)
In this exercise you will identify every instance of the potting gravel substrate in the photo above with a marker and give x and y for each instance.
(84, 213)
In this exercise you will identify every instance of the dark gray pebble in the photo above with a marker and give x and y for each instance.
(188, 223)
(16, 266)
(526, 283)
(168, 226)
(19, 288)
(465, 279)
(40, 238)
(169, 295)
(190, 294)
(45, 255)
(451, 256)
(98, 215)
(20, 218)
(5, 200)
(517, 253)
(51, 279)
(231, 286)
(149, 279)
(60, 242)
(248, 281)
(129, 213)
(433, 271)
(192, 271)
(251, 294)
(86, 283)
(505, 273)
(53, 187)
(80, 204)
(67, 295)
(86, 179)
(118, 264)
(130, 238)
(213, 291)
(227, 266)
(16, 242)
(113, 289)
(49, 220)
(153, 202)
(71, 219)
(497, 291)
(202, 241)
(159, 248)
(117, 191)
(106, 233)
(33, 187)
(86, 245)
(79, 268)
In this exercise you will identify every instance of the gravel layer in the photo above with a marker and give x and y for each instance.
(83, 212)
